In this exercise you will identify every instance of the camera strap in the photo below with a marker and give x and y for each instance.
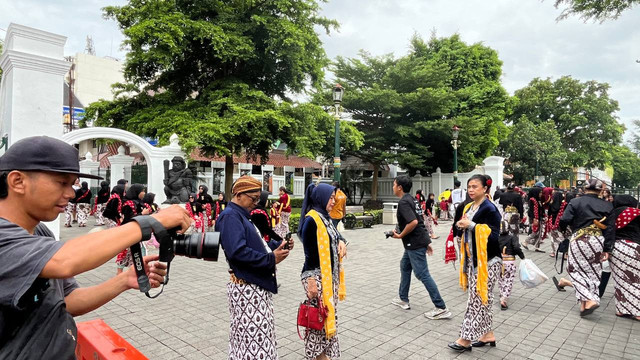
(161, 234)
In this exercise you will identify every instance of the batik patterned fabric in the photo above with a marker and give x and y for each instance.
(535, 238)
(100, 220)
(283, 227)
(316, 341)
(507, 275)
(428, 220)
(584, 266)
(513, 219)
(110, 223)
(252, 332)
(82, 212)
(124, 258)
(478, 318)
(625, 268)
(68, 214)
(558, 237)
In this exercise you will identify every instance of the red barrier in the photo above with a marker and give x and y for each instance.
(97, 341)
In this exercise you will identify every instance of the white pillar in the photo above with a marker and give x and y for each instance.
(88, 166)
(119, 164)
(32, 83)
(494, 167)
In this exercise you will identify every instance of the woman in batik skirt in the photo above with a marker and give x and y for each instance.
(625, 258)
(83, 204)
(100, 201)
(284, 212)
(480, 265)
(196, 212)
(536, 219)
(70, 211)
(131, 207)
(429, 217)
(591, 242)
(112, 212)
(322, 274)
(252, 267)
(510, 247)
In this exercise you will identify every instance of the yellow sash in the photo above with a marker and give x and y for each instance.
(482, 238)
(324, 250)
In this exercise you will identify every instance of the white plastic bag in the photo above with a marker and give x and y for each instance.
(530, 275)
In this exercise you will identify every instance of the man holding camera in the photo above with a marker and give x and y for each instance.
(252, 266)
(38, 294)
(417, 244)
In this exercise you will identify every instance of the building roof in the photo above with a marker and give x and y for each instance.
(276, 158)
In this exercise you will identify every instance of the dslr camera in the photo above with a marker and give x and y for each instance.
(389, 233)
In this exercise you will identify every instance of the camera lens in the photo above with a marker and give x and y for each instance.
(198, 245)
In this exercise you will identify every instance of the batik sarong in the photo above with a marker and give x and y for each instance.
(584, 266)
(507, 275)
(283, 227)
(68, 214)
(316, 341)
(625, 268)
(124, 258)
(100, 220)
(428, 221)
(83, 210)
(252, 330)
(478, 318)
(535, 238)
(558, 237)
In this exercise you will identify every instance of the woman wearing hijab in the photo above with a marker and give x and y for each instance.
(207, 203)
(219, 207)
(131, 207)
(260, 218)
(83, 204)
(100, 202)
(195, 210)
(112, 212)
(625, 258)
(252, 266)
(148, 202)
(480, 265)
(322, 273)
(536, 219)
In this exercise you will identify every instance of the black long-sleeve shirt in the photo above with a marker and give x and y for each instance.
(510, 245)
(511, 198)
(581, 212)
(261, 221)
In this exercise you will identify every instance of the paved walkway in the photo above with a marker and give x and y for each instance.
(190, 319)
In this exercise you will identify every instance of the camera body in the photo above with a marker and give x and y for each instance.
(288, 241)
(204, 245)
(388, 234)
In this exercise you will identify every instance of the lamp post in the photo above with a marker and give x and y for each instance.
(455, 143)
(338, 91)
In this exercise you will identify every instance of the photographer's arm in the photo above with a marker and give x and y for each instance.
(83, 300)
(92, 250)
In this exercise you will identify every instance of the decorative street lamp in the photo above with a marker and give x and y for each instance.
(455, 143)
(338, 91)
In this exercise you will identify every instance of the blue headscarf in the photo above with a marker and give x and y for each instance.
(315, 198)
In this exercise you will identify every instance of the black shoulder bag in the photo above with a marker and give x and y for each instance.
(43, 329)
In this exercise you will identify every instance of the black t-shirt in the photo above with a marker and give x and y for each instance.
(409, 210)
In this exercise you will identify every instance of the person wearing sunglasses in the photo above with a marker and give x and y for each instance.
(252, 268)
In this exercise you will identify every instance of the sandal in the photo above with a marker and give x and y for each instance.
(538, 250)
(626, 316)
(560, 288)
(589, 311)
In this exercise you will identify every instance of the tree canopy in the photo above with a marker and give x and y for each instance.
(599, 10)
(582, 113)
(218, 74)
(626, 167)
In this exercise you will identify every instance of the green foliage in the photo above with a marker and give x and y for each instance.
(582, 114)
(294, 222)
(528, 143)
(372, 205)
(296, 202)
(217, 74)
(626, 167)
(599, 10)
(406, 107)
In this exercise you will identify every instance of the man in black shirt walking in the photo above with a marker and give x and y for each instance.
(417, 244)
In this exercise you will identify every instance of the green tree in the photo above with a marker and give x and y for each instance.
(626, 167)
(599, 10)
(406, 107)
(218, 74)
(529, 146)
(582, 113)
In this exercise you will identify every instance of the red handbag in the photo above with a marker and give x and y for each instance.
(311, 316)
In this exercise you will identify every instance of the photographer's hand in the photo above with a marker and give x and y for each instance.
(281, 253)
(174, 216)
(154, 269)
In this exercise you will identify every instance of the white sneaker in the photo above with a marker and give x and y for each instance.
(404, 305)
(438, 314)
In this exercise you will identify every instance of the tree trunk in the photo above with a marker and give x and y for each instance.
(228, 176)
(374, 183)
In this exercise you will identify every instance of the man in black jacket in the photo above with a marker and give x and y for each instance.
(591, 242)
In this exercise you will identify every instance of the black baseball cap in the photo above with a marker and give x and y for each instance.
(43, 153)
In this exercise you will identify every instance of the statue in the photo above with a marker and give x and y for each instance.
(177, 181)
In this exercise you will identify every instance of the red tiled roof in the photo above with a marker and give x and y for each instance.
(277, 159)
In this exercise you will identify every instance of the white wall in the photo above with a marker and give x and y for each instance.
(94, 77)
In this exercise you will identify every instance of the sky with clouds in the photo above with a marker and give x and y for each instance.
(529, 40)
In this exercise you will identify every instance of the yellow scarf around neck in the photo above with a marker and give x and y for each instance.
(324, 250)
(482, 232)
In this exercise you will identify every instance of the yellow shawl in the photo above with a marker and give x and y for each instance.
(482, 237)
(324, 250)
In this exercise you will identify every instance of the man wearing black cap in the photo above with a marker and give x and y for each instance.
(591, 242)
(36, 272)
